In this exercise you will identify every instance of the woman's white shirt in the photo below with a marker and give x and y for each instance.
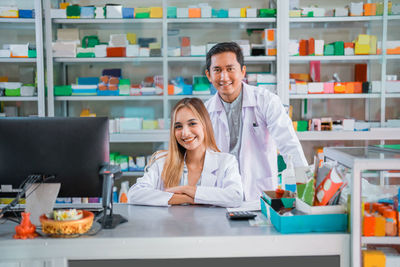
(220, 183)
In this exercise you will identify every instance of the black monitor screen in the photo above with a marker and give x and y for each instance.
(72, 149)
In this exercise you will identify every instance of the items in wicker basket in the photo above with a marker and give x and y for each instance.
(81, 226)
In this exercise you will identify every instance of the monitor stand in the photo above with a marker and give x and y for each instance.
(110, 221)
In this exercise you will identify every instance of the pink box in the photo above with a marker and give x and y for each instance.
(328, 88)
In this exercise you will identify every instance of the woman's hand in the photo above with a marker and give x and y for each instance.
(183, 189)
(178, 199)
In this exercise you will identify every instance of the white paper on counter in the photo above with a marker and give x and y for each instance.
(40, 198)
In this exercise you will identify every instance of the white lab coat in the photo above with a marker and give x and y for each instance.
(266, 127)
(220, 183)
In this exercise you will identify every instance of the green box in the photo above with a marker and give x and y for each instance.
(302, 126)
(266, 13)
(13, 92)
(339, 48)
(124, 82)
(73, 11)
(286, 201)
(306, 192)
(171, 12)
(62, 90)
(85, 55)
(144, 15)
(329, 50)
(113, 157)
(32, 53)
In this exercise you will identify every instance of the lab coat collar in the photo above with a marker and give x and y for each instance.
(249, 99)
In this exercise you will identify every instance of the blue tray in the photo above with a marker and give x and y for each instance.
(305, 223)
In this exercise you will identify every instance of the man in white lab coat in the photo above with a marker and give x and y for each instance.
(249, 122)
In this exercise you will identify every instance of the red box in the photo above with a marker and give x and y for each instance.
(116, 51)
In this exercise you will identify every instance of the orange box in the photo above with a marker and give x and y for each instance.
(339, 88)
(194, 12)
(113, 87)
(64, 5)
(349, 88)
(114, 80)
(171, 89)
(393, 51)
(271, 52)
(370, 9)
(3, 79)
(349, 45)
(357, 88)
(311, 47)
(380, 223)
(305, 77)
(368, 225)
(303, 48)
(116, 51)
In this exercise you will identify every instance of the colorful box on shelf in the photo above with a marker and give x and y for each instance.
(393, 47)
(171, 12)
(87, 12)
(19, 50)
(26, 13)
(107, 93)
(150, 124)
(12, 88)
(62, 90)
(302, 126)
(305, 223)
(88, 52)
(124, 87)
(349, 49)
(194, 12)
(362, 45)
(329, 50)
(243, 12)
(73, 11)
(116, 51)
(370, 9)
(86, 90)
(266, 12)
(113, 11)
(156, 12)
(220, 13)
(286, 201)
(8, 12)
(128, 12)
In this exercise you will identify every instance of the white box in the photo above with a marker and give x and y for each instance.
(118, 40)
(319, 47)
(302, 88)
(251, 12)
(349, 51)
(68, 35)
(114, 11)
(245, 50)
(356, 9)
(144, 52)
(174, 51)
(99, 12)
(348, 124)
(18, 50)
(293, 48)
(268, 86)
(361, 126)
(266, 78)
(130, 124)
(234, 12)
(206, 12)
(11, 85)
(64, 49)
(319, 12)
(132, 50)
(58, 13)
(393, 86)
(395, 8)
(198, 50)
(27, 90)
(330, 209)
(341, 12)
(100, 50)
(375, 86)
(315, 87)
(5, 53)
(182, 12)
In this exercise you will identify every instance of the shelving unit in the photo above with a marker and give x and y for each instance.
(36, 24)
(360, 159)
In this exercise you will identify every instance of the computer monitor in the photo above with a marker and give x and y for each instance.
(71, 149)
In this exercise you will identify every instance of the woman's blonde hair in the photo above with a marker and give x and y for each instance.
(173, 166)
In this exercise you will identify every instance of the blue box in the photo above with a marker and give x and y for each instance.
(107, 93)
(26, 13)
(305, 223)
(87, 12)
(128, 13)
(88, 80)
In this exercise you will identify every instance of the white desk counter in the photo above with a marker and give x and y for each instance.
(170, 233)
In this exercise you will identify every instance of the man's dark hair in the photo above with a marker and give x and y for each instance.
(225, 47)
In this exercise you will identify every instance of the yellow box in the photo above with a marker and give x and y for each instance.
(64, 5)
(339, 88)
(156, 12)
(294, 13)
(9, 13)
(373, 258)
(243, 12)
(372, 45)
(295, 125)
(131, 37)
(362, 45)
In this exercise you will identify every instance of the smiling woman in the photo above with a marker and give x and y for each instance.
(192, 170)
